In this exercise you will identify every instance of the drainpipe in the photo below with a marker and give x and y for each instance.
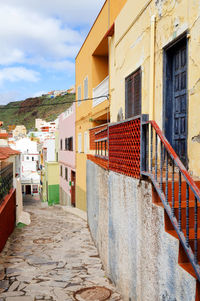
(152, 69)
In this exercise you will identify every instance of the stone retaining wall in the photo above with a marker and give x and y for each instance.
(129, 231)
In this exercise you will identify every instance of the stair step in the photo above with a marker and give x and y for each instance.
(191, 233)
(189, 268)
(176, 204)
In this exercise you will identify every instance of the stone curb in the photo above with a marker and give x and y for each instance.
(80, 213)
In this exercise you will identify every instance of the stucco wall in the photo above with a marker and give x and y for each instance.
(67, 130)
(130, 49)
(129, 231)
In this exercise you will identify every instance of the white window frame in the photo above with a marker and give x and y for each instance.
(86, 142)
(85, 86)
(79, 143)
(79, 95)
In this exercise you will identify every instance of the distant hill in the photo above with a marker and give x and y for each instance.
(28, 110)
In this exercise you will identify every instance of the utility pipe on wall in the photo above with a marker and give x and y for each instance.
(152, 69)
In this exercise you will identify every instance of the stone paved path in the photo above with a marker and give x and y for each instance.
(50, 259)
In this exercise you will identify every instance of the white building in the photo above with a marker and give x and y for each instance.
(30, 177)
(44, 126)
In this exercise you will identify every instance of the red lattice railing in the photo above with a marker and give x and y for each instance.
(124, 147)
(94, 137)
(99, 161)
(123, 143)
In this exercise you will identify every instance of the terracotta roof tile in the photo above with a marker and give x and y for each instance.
(7, 151)
(3, 135)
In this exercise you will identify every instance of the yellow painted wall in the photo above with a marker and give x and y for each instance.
(52, 173)
(130, 49)
(96, 69)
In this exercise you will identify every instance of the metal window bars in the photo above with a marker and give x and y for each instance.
(6, 181)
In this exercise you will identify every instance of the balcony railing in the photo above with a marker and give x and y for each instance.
(101, 89)
(117, 146)
(6, 181)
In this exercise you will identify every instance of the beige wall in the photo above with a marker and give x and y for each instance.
(130, 48)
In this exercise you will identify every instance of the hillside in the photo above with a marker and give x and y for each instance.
(25, 112)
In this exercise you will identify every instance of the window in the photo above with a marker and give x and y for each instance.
(85, 142)
(61, 170)
(32, 158)
(35, 188)
(27, 158)
(66, 174)
(133, 94)
(56, 156)
(70, 143)
(66, 143)
(79, 143)
(86, 88)
(61, 144)
(79, 95)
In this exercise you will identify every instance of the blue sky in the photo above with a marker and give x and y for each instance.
(39, 42)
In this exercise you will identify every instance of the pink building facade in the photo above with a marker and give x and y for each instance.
(66, 156)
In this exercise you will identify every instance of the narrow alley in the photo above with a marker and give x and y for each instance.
(52, 259)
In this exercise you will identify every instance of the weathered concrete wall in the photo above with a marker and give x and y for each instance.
(128, 229)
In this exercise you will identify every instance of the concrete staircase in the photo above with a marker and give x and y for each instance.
(169, 228)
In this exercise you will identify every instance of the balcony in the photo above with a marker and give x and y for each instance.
(101, 89)
(117, 146)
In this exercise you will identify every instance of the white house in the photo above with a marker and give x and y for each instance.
(30, 178)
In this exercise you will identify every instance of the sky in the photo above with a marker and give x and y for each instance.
(39, 42)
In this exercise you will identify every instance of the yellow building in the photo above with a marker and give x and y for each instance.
(19, 131)
(92, 81)
(155, 69)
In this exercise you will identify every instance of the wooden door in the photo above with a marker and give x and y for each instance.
(73, 188)
(175, 103)
(179, 122)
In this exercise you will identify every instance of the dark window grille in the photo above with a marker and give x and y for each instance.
(61, 144)
(61, 170)
(6, 181)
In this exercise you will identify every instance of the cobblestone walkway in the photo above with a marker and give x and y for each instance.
(51, 259)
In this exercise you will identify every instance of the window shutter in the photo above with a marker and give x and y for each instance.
(133, 94)
(86, 88)
(137, 93)
(85, 142)
(79, 95)
(79, 143)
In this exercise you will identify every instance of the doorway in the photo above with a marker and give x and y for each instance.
(28, 189)
(73, 188)
(175, 97)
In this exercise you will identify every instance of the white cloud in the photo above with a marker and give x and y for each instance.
(27, 35)
(39, 93)
(7, 97)
(76, 12)
(43, 35)
(14, 74)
